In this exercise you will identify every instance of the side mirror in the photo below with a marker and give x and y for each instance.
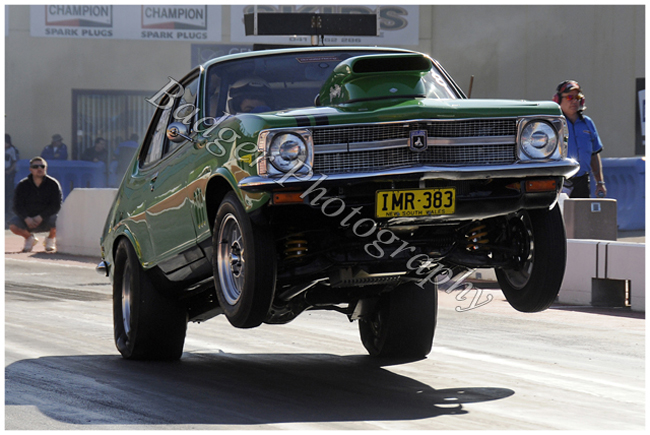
(178, 132)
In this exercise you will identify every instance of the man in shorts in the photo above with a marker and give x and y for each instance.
(37, 200)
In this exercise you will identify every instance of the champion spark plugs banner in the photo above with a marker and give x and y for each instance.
(199, 23)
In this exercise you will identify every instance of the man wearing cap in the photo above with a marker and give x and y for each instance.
(37, 200)
(56, 150)
(584, 143)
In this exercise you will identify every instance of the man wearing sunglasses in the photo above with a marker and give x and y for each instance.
(584, 142)
(37, 200)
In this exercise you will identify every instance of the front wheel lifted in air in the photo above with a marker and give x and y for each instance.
(539, 240)
(243, 264)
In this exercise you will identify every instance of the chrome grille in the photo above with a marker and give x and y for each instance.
(380, 158)
(379, 132)
(362, 161)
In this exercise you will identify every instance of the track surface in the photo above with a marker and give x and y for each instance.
(491, 367)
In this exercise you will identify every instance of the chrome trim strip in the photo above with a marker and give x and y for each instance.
(460, 141)
(403, 143)
(331, 148)
(430, 120)
(564, 168)
(379, 145)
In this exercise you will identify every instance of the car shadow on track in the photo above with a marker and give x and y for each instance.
(229, 389)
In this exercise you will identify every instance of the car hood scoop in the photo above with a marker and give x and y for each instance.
(372, 77)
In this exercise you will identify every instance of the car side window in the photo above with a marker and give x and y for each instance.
(212, 94)
(185, 110)
(158, 139)
(172, 108)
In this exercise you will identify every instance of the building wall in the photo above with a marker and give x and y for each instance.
(40, 74)
(525, 51)
(520, 52)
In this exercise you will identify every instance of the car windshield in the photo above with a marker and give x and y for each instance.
(286, 81)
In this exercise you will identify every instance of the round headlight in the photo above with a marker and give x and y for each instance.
(538, 140)
(288, 150)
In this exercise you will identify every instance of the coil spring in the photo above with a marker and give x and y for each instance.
(477, 237)
(296, 247)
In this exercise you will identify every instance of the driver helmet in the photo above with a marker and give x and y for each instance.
(251, 88)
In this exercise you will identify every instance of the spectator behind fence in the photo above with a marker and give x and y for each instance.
(124, 152)
(56, 150)
(96, 153)
(11, 157)
(37, 200)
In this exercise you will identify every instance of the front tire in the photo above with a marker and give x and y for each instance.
(403, 323)
(243, 264)
(147, 324)
(540, 239)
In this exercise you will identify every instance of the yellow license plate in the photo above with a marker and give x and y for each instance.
(414, 203)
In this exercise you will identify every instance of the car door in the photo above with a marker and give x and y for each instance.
(165, 168)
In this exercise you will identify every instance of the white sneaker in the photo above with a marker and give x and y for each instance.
(29, 243)
(50, 244)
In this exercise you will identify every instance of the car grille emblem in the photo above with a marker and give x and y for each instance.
(418, 140)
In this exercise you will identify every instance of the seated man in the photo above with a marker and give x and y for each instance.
(253, 104)
(250, 95)
(56, 150)
(37, 200)
(96, 153)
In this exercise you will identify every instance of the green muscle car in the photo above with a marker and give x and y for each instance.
(327, 178)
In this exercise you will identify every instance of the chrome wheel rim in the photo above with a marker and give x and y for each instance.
(231, 261)
(518, 278)
(127, 302)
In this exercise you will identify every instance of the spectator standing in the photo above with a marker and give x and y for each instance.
(56, 150)
(97, 153)
(584, 143)
(11, 158)
(37, 201)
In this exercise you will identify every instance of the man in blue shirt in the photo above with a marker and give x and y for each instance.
(584, 142)
(56, 150)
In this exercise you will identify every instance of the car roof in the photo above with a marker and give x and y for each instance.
(297, 50)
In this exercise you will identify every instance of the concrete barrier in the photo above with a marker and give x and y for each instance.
(624, 261)
(590, 218)
(590, 265)
(81, 221)
(580, 269)
(591, 262)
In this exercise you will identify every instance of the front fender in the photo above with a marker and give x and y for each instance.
(233, 176)
(122, 230)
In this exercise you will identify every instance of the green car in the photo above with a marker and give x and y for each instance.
(357, 180)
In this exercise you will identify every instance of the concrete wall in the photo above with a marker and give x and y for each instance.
(81, 221)
(603, 260)
(518, 52)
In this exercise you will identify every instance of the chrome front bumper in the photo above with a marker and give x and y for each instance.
(563, 168)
